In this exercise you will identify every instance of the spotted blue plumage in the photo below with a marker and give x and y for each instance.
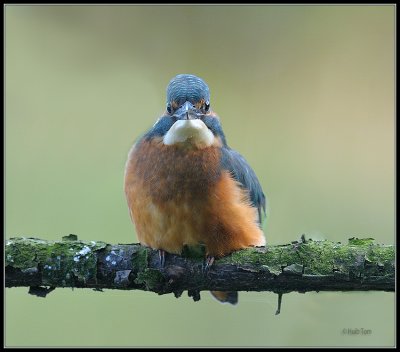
(186, 87)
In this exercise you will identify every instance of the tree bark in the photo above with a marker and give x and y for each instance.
(304, 265)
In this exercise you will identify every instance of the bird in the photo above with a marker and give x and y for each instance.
(185, 186)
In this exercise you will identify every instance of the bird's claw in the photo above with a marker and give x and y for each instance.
(207, 264)
(161, 257)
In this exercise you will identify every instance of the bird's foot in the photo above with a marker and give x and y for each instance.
(161, 257)
(208, 263)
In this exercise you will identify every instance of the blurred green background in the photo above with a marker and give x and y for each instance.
(305, 93)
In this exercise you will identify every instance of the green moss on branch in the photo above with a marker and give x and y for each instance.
(305, 265)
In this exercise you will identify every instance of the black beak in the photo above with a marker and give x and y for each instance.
(186, 112)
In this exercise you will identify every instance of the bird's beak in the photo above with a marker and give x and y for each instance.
(186, 112)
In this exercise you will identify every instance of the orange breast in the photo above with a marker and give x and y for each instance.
(181, 196)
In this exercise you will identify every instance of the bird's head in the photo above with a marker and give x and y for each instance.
(188, 119)
(188, 97)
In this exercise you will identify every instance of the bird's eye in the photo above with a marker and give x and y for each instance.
(169, 109)
(206, 106)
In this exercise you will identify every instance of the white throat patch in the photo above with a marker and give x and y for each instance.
(193, 131)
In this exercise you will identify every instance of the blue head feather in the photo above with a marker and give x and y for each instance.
(186, 87)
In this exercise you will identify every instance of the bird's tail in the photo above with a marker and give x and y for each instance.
(226, 296)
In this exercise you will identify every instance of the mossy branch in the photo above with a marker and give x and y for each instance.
(304, 265)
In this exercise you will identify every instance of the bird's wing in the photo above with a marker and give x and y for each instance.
(241, 171)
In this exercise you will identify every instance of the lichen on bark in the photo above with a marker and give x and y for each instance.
(64, 263)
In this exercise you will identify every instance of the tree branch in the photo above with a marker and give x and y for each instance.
(304, 265)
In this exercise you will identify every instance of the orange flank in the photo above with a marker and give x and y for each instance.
(232, 221)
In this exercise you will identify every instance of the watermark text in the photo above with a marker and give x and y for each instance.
(356, 331)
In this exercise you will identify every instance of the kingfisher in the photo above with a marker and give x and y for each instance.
(185, 186)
